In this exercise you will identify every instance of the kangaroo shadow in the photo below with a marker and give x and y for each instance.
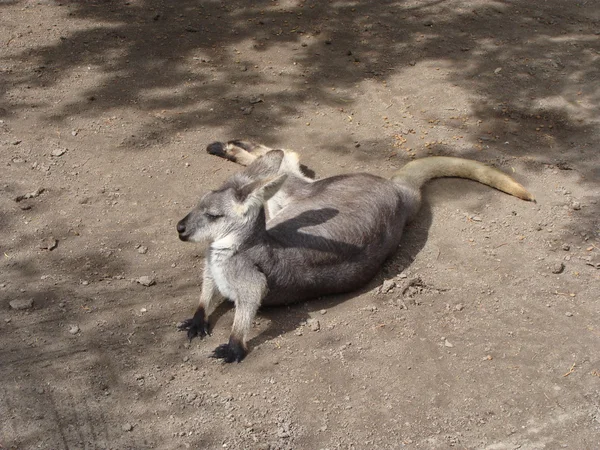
(284, 319)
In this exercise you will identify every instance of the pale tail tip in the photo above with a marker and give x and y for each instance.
(528, 197)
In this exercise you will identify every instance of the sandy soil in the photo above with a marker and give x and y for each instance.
(487, 333)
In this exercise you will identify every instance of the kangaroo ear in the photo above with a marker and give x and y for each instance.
(255, 194)
(266, 166)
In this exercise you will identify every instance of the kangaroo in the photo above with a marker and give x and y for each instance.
(277, 236)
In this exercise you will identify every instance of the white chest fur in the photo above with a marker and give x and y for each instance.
(221, 252)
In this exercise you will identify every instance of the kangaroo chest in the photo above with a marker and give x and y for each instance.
(218, 262)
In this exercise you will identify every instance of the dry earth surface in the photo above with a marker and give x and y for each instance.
(482, 332)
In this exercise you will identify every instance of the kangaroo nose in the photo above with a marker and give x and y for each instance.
(181, 227)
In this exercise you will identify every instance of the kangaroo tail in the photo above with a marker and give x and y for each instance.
(416, 173)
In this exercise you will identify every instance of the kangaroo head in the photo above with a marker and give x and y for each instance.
(231, 210)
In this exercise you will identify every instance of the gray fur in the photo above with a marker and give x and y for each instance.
(322, 237)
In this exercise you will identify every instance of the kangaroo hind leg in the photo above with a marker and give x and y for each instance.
(239, 152)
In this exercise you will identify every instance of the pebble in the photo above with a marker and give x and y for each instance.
(569, 314)
(49, 244)
(58, 152)
(127, 427)
(387, 286)
(73, 329)
(448, 344)
(558, 268)
(323, 312)
(33, 194)
(576, 206)
(459, 307)
(21, 303)
(566, 247)
(142, 249)
(313, 324)
(146, 280)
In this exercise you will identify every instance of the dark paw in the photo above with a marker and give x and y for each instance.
(230, 352)
(217, 149)
(196, 326)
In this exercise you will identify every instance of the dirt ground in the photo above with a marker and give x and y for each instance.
(483, 332)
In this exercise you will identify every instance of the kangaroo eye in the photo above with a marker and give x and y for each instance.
(212, 216)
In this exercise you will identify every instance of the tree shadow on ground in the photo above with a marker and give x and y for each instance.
(194, 64)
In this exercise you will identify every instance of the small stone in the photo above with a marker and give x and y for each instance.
(323, 312)
(127, 427)
(447, 344)
(40, 390)
(569, 314)
(61, 305)
(497, 70)
(73, 329)
(459, 307)
(489, 357)
(58, 152)
(143, 310)
(49, 244)
(313, 324)
(558, 268)
(387, 286)
(146, 281)
(191, 397)
(576, 206)
(566, 247)
(21, 304)
(142, 249)
(476, 218)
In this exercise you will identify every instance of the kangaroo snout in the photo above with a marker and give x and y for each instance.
(182, 228)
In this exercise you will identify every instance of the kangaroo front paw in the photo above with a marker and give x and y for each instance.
(196, 326)
(232, 351)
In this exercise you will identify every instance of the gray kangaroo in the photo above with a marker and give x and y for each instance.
(277, 236)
